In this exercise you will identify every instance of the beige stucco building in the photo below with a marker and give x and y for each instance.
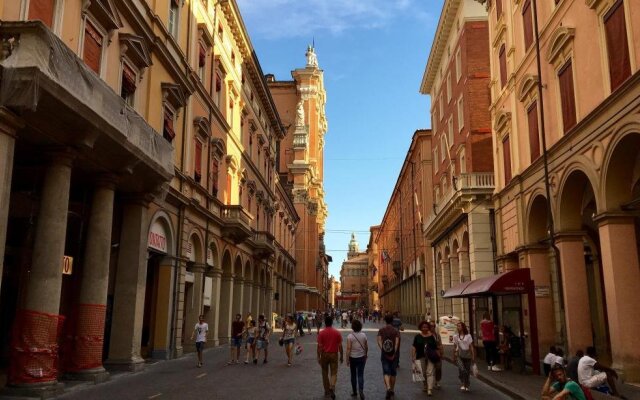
(139, 184)
(354, 278)
(589, 56)
(459, 228)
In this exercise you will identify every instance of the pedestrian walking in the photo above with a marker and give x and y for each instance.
(438, 364)
(289, 334)
(357, 352)
(319, 322)
(237, 328)
(200, 332)
(309, 323)
(389, 343)
(250, 345)
(464, 355)
(488, 330)
(300, 321)
(397, 323)
(262, 340)
(329, 345)
(425, 351)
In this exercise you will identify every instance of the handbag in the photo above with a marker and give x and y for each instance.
(417, 375)
(432, 354)
(281, 342)
(474, 370)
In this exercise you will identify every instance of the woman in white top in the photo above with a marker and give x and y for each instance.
(357, 351)
(251, 331)
(289, 334)
(464, 354)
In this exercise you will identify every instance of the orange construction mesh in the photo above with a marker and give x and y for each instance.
(87, 340)
(34, 347)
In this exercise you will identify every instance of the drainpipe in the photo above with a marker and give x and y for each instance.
(555, 264)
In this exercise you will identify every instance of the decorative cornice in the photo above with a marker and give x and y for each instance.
(527, 86)
(135, 49)
(561, 40)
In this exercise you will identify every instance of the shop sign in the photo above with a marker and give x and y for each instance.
(67, 265)
(189, 277)
(447, 327)
(543, 291)
(157, 237)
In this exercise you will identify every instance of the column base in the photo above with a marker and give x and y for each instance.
(130, 365)
(179, 351)
(95, 375)
(47, 390)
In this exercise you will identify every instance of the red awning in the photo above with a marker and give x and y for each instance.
(512, 282)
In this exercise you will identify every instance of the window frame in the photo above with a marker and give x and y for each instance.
(460, 104)
(568, 64)
(173, 20)
(103, 46)
(131, 101)
(528, 35)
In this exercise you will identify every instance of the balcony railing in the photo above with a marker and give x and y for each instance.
(475, 181)
(263, 244)
(237, 223)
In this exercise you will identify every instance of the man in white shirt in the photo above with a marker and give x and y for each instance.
(200, 332)
(593, 374)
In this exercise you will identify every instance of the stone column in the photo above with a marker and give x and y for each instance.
(256, 299)
(247, 297)
(269, 304)
(226, 305)
(621, 272)
(44, 284)
(280, 295)
(576, 297)
(457, 304)
(238, 289)
(464, 268)
(130, 286)
(446, 284)
(263, 301)
(86, 360)
(9, 124)
(193, 307)
(216, 275)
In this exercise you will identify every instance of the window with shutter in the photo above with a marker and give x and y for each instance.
(92, 48)
(498, 9)
(617, 45)
(128, 88)
(567, 96)
(197, 170)
(228, 189)
(534, 137)
(527, 23)
(168, 132)
(213, 175)
(42, 10)
(503, 67)
(506, 152)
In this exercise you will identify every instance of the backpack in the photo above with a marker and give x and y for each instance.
(388, 346)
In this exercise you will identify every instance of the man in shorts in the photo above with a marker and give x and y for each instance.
(593, 374)
(262, 341)
(389, 344)
(200, 332)
(237, 327)
(397, 323)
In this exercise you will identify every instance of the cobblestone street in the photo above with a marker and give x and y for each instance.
(180, 379)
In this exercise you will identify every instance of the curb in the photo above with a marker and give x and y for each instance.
(496, 385)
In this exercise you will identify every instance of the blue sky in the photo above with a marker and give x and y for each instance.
(373, 53)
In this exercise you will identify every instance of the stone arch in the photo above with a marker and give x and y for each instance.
(576, 196)
(161, 222)
(621, 172)
(226, 263)
(195, 249)
(465, 267)
(237, 267)
(248, 270)
(537, 214)
(214, 258)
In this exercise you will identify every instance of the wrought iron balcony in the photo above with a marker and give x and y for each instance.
(263, 244)
(237, 223)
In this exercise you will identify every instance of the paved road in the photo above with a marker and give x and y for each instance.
(180, 379)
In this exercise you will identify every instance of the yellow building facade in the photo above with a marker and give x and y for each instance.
(139, 184)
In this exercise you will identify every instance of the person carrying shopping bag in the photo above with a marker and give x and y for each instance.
(464, 355)
(425, 352)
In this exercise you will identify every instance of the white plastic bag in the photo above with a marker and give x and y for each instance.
(417, 372)
(474, 370)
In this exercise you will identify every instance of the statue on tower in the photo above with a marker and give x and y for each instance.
(300, 114)
(312, 59)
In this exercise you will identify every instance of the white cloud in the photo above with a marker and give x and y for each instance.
(298, 18)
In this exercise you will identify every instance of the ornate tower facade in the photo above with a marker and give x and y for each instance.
(301, 105)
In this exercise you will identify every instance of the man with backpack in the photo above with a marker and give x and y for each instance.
(389, 344)
(563, 387)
